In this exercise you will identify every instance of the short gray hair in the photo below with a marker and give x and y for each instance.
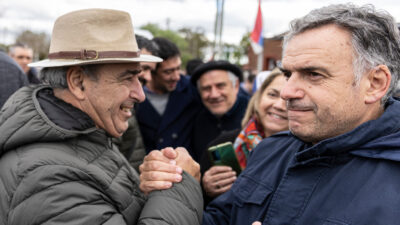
(375, 36)
(233, 78)
(12, 48)
(56, 77)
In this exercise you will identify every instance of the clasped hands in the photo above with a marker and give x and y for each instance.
(162, 168)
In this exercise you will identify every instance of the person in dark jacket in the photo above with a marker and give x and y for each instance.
(340, 163)
(58, 164)
(11, 77)
(166, 116)
(218, 85)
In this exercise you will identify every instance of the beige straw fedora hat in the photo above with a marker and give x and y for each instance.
(93, 36)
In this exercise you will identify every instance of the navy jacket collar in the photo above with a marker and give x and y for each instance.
(239, 105)
(375, 138)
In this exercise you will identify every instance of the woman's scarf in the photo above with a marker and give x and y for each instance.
(249, 137)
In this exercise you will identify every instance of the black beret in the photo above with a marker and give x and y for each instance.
(216, 65)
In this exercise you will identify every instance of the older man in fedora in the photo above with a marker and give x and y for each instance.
(58, 164)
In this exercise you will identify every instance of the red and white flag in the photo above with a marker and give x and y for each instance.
(256, 37)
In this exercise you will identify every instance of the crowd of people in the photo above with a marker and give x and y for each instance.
(113, 132)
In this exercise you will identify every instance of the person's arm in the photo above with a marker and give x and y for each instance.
(56, 194)
(161, 169)
(175, 196)
(181, 204)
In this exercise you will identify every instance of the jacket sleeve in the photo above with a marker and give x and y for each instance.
(180, 205)
(55, 194)
(218, 211)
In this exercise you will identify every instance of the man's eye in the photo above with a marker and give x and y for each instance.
(314, 74)
(221, 85)
(287, 74)
(205, 88)
(145, 68)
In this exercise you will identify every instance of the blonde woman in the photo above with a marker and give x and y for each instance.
(266, 114)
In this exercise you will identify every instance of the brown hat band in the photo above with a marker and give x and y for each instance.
(92, 54)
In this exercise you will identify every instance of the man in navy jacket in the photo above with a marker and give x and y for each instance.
(339, 164)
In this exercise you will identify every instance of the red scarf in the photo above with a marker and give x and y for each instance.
(248, 138)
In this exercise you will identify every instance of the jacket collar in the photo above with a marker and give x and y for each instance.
(61, 113)
(240, 104)
(376, 138)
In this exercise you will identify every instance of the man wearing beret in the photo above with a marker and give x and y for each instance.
(218, 85)
(58, 164)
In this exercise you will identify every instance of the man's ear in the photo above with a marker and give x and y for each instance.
(75, 78)
(379, 81)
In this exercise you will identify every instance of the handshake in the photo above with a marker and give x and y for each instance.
(161, 168)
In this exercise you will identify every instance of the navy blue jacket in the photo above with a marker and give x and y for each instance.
(174, 128)
(353, 179)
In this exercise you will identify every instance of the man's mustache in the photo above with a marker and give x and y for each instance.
(299, 105)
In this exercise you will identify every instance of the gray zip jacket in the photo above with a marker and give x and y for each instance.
(56, 167)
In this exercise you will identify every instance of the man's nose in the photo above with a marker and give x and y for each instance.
(176, 75)
(292, 89)
(214, 92)
(137, 91)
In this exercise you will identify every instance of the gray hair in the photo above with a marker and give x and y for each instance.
(232, 77)
(56, 77)
(375, 36)
(12, 48)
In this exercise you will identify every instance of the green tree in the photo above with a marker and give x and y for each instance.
(190, 42)
(241, 50)
(39, 42)
(196, 40)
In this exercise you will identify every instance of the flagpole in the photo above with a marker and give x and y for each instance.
(260, 59)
